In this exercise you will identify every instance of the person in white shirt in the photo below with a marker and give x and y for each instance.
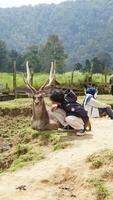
(94, 107)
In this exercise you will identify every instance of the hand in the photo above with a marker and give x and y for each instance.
(54, 107)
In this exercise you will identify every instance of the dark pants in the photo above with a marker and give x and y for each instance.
(106, 111)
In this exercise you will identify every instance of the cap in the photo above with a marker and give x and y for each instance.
(91, 90)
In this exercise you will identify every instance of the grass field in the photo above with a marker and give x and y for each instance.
(26, 102)
(19, 144)
(40, 78)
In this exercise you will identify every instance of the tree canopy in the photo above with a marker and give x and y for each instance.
(84, 27)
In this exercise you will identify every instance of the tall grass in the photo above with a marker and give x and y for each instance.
(6, 78)
(40, 78)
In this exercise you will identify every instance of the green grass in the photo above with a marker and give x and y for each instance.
(51, 137)
(6, 78)
(102, 175)
(27, 145)
(26, 155)
(40, 78)
(57, 143)
(101, 158)
(101, 191)
(107, 173)
(16, 103)
(27, 102)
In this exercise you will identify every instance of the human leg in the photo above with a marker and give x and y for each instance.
(109, 112)
(106, 111)
(60, 116)
(77, 124)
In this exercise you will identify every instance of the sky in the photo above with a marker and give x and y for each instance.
(17, 3)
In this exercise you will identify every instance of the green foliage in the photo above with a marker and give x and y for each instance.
(78, 66)
(63, 79)
(84, 27)
(57, 143)
(26, 158)
(101, 191)
(3, 56)
(53, 50)
(25, 145)
(108, 174)
(102, 63)
(100, 158)
(96, 160)
(17, 57)
(22, 149)
(32, 54)
(16, 103)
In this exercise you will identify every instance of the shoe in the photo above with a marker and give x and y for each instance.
(66, 129)
(80, 132)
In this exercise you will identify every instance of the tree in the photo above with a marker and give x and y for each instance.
(3, 56)
(32, 55)
(78, 66)
(53, 50)
(102, 63)
(88, 66)
(89, 69)
(17, 57)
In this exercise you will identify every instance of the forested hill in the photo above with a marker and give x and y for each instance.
(84, 26)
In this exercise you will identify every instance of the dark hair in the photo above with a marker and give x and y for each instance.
(57, 95)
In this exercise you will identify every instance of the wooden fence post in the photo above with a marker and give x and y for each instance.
(14, 79)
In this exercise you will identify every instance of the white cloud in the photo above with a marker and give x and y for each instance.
(17, 3)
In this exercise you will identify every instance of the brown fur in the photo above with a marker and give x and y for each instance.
(42, 119)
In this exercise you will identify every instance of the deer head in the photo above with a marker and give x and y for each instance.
(40, 116)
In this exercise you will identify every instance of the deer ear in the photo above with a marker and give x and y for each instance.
(44, 94)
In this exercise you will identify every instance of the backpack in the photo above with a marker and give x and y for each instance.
(70, 96)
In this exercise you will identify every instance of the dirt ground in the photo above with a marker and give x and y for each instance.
(63, 174)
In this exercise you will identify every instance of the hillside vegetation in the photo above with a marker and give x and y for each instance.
(85, 27)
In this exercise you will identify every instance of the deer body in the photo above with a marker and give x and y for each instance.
(43, 121)
(41, 118)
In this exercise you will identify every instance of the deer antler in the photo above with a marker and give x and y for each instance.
(52, 73)
(28, 73)
(27, 80)
(47, 84)
(52, 77)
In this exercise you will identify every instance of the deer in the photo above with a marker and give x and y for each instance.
(42, 117)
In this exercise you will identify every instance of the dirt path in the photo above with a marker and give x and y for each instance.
(45, 179)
